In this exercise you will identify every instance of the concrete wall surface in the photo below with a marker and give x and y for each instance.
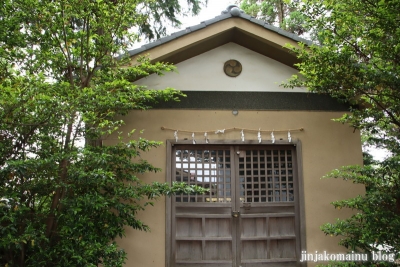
(326, 145)
(205, 73)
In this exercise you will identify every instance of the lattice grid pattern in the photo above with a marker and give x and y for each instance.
(206, 168)
(266, 176)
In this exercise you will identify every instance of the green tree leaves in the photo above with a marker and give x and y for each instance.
(64, 197)
(357, 62)
(285, 14)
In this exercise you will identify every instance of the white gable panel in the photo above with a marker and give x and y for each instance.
(205, 73)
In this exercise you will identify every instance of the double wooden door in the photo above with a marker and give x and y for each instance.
(249, 217)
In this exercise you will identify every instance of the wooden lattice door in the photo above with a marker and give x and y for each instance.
(249, 216)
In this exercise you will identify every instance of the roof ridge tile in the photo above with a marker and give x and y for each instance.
(229, 12)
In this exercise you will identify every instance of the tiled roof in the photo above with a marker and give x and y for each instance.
(231, 11)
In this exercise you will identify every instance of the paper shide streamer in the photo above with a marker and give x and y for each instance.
(242, 130)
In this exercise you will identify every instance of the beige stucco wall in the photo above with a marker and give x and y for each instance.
(260, 73)
(325, 145)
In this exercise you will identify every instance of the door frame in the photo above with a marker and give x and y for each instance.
(299, 197)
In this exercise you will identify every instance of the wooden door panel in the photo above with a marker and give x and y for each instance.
(188, 250)
(281, 226)
(254, 227)
(188, 227)
(254, 249)
(282, 249)
(255, 185)
(218, 250)
(267, 221)
(203, 235)
(218, 227)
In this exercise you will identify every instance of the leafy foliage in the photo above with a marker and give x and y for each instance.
(374, 226)
(63, 203)
(358, 62)
(281, 13)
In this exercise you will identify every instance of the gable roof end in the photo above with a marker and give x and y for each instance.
(232, 11)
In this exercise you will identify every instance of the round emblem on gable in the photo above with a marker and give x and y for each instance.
(232, 68)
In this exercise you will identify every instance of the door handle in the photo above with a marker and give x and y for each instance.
(235, 214)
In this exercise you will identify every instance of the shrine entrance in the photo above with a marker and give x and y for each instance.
(249, 217)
